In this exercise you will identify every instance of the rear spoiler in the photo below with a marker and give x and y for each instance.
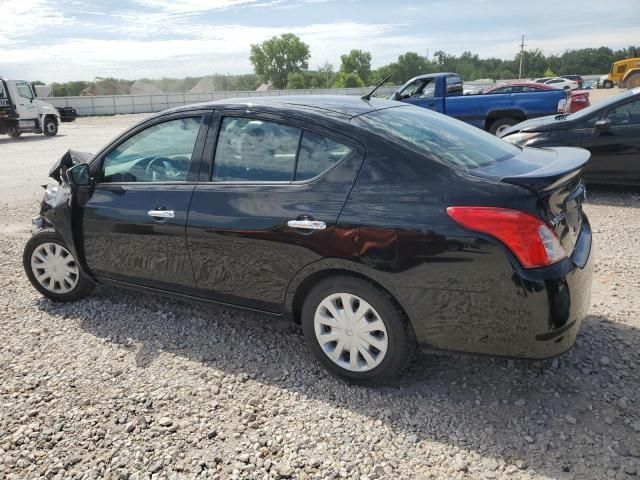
(568, 164)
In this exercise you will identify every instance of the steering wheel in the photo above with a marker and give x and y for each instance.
(154, 165)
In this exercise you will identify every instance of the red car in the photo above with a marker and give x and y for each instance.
(579, 98)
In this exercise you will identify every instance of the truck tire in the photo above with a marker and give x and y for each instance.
(607, 84)
(14, 132)
(501, 124)
(50, 127)
(632, 81)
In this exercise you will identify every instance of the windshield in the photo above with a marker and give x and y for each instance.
(590, 110)
(439, 137)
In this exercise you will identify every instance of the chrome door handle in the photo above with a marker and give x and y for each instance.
(161, 213)
(307, 224)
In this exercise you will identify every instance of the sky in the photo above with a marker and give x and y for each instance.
(60, 40)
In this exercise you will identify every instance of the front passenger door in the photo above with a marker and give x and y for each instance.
(134, 223)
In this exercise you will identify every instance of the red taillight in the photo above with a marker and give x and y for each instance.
(530, 239)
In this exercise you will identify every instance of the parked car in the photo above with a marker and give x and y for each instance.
(559, 82)
(374, 224)
(603, 82)
(575, 78)
(578, 100)
(609, 130)
(443, 93)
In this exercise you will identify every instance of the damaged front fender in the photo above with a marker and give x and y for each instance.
(68, 160)
(60, 208)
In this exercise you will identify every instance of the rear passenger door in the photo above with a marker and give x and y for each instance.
(268, 188)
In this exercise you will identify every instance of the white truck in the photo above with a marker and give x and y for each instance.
(21, 111)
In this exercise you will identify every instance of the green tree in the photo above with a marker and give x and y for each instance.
(276, 58)
(411, 64)
(548, 73)
(298, 80)
(348, 80)
(358, 62)
(325, 75)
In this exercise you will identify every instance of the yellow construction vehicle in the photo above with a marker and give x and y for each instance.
(625, 73)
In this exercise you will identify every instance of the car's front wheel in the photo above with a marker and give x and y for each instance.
(356, 330)
(52, 269)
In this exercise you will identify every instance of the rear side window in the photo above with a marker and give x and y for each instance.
(439, 137)
(317, 154)
(255, 150)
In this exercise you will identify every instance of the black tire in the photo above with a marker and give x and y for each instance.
(50, 127)
(502, 124)
(607, 84)
(14, 132)
(84, 285)
(399, 333)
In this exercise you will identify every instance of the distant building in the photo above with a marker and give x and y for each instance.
(144, 88)
(265, 87)
(205, 85)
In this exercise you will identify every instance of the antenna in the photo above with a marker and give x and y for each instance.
(368, 95)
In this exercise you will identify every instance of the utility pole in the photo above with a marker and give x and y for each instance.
(522, 45)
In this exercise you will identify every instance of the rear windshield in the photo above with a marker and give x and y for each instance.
(439, 137)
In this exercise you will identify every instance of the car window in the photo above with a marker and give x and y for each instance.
(502, 90)
(317, 154)
(439, 137)
(24, 91)
(160, 153)
(530, 89)
(555, 81)
(255, 150)
(627, 114)
(419, 89)
(454, 86)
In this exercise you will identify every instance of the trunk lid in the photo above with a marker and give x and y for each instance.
(554, 174)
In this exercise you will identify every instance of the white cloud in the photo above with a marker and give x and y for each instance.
(20, 19)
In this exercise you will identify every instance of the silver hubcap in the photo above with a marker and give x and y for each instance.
(51, 127)
(54, 268)
(350, 332)
(502, 128)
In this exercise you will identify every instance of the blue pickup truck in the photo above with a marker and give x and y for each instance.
(493, 112)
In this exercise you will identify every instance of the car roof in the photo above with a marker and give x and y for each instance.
(346, 106)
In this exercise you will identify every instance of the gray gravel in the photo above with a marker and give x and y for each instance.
(123, 385)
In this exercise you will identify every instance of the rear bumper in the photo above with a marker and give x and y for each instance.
(514, 312)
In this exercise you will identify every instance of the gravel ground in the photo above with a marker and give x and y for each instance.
(124, 385)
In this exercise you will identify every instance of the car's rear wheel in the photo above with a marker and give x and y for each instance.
(52, 269)
(607, 84)
(501, 124)
(356, 330)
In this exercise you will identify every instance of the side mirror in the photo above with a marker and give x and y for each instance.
(601, 126)
(396, 96)
(79, 175)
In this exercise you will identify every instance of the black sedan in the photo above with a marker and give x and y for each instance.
(609, 130)
(375, 224)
